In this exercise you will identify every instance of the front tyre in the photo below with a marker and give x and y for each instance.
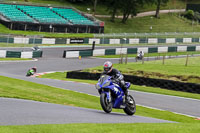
(105, 104)
(28, 74)
(130, 106)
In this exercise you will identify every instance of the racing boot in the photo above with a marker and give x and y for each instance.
(125, 95)
(128, 98)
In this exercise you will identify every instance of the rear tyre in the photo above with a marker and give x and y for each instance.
(130, 106)
(105, 104)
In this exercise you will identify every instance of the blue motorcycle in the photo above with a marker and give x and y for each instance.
(112, 96)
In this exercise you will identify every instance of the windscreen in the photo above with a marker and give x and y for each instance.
(103, 78)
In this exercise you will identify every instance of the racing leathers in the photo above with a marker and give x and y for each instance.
(117, 77)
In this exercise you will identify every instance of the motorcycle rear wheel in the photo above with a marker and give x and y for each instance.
(130, 106)
(105, 104)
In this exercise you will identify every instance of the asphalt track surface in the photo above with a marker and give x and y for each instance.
(28, 112)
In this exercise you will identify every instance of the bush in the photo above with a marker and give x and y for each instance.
(189, 14)
(197, 16)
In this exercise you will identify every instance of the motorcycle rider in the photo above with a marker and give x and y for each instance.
(140, 54)
(36, 48)
(32, 70)
(116, 75)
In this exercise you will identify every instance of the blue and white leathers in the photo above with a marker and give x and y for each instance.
(113, 91)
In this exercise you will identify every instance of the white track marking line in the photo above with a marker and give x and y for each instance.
(135, 91)
(18, 61)
(166, 95)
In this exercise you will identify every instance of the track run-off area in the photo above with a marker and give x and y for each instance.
(25, 112)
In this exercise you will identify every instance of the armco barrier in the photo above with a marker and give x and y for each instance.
(14, 54)
(161, 83)
(118, 51)
(37, 54)
(26, 40)
(76, 54)
(20, 54)
(2, 53)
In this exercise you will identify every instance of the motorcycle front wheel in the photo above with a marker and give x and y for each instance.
(130, 106)
(105, 104)
(28, 74)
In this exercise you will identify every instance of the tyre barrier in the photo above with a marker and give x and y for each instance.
(118, 51)
(136, 80)
(20, 54)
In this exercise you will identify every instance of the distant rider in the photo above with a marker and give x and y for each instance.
(140, 54)
(116, 75)
(32, 71)
(36, 48)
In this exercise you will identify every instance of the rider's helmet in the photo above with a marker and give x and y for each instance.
(34, 69)
(107, 66)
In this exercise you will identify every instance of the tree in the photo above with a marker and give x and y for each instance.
(158, 4)
(113, 6)
(89, 2)
(130, 7)
(94, 8)
(94, 3)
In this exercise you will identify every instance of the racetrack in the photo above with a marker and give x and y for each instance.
(55, 63)
(26, 112)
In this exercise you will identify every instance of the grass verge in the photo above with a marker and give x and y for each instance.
(106, 128)
(62, 76)
(41, 45)
(166, 23)
(152, 54)
(14, 59)
(5, 30)
(15, 88)
(172, 69)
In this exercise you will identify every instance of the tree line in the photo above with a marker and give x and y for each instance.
(125, 7)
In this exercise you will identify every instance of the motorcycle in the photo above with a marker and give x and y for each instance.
(112, 96)
(36, 48)
(30, 72)
(139, 57)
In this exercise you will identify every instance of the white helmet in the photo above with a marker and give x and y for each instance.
(107, 66)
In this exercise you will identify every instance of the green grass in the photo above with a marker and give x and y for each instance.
(28, 90)
(5, 30)
(15, 88)
(62, 76)
(104, 128)
(13, 59)
(167, 23)
(165, 91)
(173, 69)
(151, 54)
(37, 92)
(43, 45)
